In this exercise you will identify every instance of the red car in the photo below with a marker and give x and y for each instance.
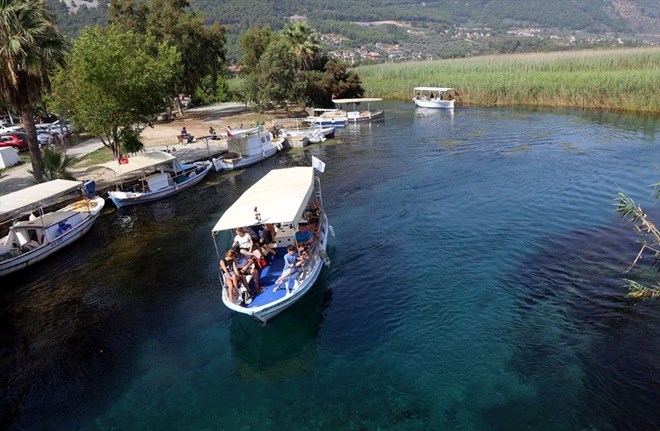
(16, 140)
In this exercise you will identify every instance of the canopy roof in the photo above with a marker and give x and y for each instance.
(359, 100)
(280, 197)
(137, 163)
(27, 199)
(433, 89)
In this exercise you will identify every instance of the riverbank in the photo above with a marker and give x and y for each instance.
(622, 80)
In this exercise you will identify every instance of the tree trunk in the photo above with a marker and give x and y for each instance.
(33, 142)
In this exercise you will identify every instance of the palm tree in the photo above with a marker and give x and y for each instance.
(304, 43)
(30, 48)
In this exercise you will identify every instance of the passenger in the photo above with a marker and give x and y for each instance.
(228, 267)
(290, 266)
(245, 243)
(248, 267)
(304, 236)
(266, 238)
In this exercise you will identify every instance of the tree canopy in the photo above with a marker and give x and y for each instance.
(116, 81)
(31, 47)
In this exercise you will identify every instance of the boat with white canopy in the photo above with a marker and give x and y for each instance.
(245, 148)
(361, 116)
(160, 175)
(286, 198)
(327, 117)
(434, 97)
(36, 238)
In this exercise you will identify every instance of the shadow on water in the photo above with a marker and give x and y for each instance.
(287, 345)
(576, 330)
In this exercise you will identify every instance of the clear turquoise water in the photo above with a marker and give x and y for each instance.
(476, 284)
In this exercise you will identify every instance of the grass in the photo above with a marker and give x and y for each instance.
(101, 155)
(624, 80)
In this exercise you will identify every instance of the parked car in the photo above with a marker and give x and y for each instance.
(66, 127)
(10, 128)
(17, 140)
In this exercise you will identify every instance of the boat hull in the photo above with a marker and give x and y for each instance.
(365, 116)
(126, 199)
(221, 165)
(436, 104)
(33, 256)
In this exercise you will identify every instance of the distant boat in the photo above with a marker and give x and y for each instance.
(327, 117)
(245, 148)
(282, 197)
(434, 97)
(159, 174)
(32, 240)
(361, 116)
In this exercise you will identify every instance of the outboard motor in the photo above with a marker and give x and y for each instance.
(90, 188)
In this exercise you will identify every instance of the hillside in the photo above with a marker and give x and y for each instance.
(380, 30)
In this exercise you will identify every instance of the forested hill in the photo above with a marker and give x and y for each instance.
(429, 28)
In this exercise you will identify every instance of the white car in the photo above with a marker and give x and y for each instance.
(10, 128)
(66, 127)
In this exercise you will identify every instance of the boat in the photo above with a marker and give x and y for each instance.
(286, 198)
(327, 117)
(361, 116)
(36, 238)
(245, 148)
(159, 174)
(434, 97)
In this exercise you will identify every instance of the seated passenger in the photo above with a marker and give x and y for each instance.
(247, 266)
(304, 236)
(246, 244)
(290, 266)
(230, 272)
(266, 238)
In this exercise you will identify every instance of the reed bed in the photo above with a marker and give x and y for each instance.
(626, 80)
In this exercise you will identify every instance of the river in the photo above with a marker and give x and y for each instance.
(476, 283)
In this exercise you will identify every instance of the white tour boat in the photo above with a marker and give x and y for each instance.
(285, 198)
(361, 116)
(32, 240)
(434, 97)
(327, 117)
(245, 148)
(159, 175)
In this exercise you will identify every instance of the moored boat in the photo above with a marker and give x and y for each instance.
(245, 148)
(286, 198)
(434, 97)
(364, 115)
(159, 174)
(32, 240)
(327, 117)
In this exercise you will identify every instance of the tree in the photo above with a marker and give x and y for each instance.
(202, 47)
(304, 43)
(253, 43)
(115, 82)
(341, 83)
(277, 78)
(650, 239)
(31, 48)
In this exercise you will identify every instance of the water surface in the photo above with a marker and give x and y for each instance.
(476, 283)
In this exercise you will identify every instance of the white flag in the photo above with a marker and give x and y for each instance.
(318, 164)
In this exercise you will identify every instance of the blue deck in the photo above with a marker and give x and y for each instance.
(269, 275)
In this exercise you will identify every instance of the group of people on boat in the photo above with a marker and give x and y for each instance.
(249, 255)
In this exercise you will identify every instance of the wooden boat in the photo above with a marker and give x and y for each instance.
(282, 197)
(361, 116)
(32, 240)
(245, 148)
(434, 97)
(159, 174)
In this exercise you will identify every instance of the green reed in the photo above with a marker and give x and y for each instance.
(612, 79)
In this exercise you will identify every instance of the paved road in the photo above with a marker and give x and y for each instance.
(18, 177)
